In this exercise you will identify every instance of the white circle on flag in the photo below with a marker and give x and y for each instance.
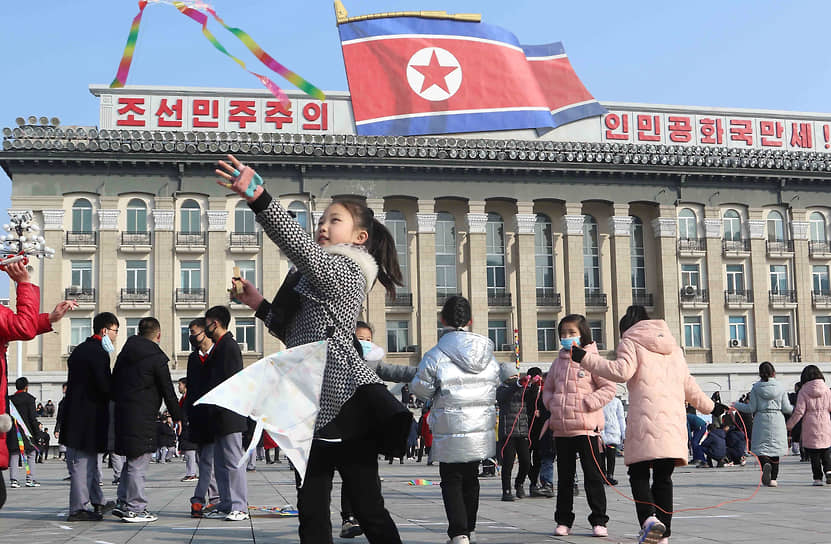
(434, 74)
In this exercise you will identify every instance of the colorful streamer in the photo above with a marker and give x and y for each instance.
(191, 10)
(22, 451)
(516, 347)
(287, 511)
(422, 482)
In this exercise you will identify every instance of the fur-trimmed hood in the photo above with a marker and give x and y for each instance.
(361, 256)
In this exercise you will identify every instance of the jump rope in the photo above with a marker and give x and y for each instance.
(537, 380)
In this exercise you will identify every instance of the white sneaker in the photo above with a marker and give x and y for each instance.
(652, 531)
(472, 537)
(139, 517)
(461, 539)
(237, 515)
(818, 483)
(774, 483)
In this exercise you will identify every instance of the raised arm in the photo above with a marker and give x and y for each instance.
(619, 370)
(392, 372)
(27, 322)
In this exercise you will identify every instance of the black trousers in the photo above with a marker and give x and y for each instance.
(515, 446)
(589, 449)
(460, 493)
(660, 493)
(774, 465)
(820, 463)
(357, 463)
(2, 491)
(536, 462)
(609, 454)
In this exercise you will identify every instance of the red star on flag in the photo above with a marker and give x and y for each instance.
(434, 74)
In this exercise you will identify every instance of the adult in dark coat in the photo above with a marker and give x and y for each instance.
(25, 404)
(85, 418)
(141, 379)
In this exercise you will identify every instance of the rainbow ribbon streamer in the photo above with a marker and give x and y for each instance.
(202, 19)
(422, 482)
(22, 450)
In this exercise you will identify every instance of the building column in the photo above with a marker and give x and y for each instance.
(620, 228)
(575, 285)
(52, 291)
(665, 227)
(217, 277)
(164, 269)
(526, 285)
(107, 291)
(760, 276)
(376, 300)
(803, 335)
(715, 285)
(477, 220)
(426, 275)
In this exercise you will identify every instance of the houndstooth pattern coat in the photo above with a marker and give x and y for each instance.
(335, 282)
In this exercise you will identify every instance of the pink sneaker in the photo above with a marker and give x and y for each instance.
(562, 530)
(600, 530)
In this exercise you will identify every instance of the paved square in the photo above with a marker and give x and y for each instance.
(794, 512)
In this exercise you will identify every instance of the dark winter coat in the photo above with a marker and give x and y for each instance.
(25, 404)
(85, 420)
(715, 445)
(224, 360)
(141, 379)
(200, 425)
(185, 442)
(736, 443)
(165, 435)
(513, 419)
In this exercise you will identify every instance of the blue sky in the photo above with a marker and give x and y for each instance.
(751, 54)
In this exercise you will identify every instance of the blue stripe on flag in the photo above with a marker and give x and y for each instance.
(544, 50)
(568, 115)
(458, 123)
(417, 25)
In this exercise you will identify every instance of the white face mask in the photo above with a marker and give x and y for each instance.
(107, 344)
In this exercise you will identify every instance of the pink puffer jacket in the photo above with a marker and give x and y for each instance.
(575, 397)
(655, 371)
(813, 405)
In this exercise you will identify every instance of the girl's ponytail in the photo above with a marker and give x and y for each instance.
(382, 247)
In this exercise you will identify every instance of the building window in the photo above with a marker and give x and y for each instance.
(776, 227)
(446, 279)
(495, 255)
(82, 274)
(191, 217)
(246, 333)
(184, 334)
(738, 331)
(687, 225)
(732, 226)
(136, 216)
(817, 221)
(396, 223)
(781, 331)
(398, 336)
(498, 333)
(131, 328)
(692, 332)
(778, 278)
(191, 274)
(823, 330)
(81, 215)
(638, 257)
(596, 328)
(735, 278)
(547, 335)
(243, 219)
(820, 279)
(247, 270)
(591, 256)
(298, 210)
(136, 275)
(441, 329)
(544, 255)
(81, 328)
(691, 276)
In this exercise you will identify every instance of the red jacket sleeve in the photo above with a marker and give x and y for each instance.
(27, 322)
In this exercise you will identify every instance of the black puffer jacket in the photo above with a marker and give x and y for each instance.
(513, 418)
(84, 415)
(199, 426)
(141, 379)
(224, 360)
(25, 404)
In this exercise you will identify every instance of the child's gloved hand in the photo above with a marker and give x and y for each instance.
(577, 353)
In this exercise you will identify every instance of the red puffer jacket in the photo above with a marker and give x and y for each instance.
(23, 325)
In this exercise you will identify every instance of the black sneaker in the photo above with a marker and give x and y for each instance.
(507, 496)
(547, 491)
(119, 510)
(520, 492)
(116, 480)
(139, 517)
(14, 484)
(32, 483)
(612, 481)
(766, 474)
(85, 515)
(534, 491)
(104, 508)
(350, 528)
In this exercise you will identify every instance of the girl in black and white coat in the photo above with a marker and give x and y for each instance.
(321, 300)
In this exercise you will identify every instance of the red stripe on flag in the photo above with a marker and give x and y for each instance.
(559, 82)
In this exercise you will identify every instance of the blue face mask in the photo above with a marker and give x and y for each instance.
(107, 344)
(366, 346)
(567, 343)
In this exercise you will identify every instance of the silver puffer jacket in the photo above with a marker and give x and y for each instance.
(460, 376)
